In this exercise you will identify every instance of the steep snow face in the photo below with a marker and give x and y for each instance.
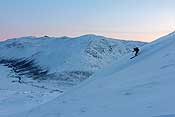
(65, 59)
(141, 87)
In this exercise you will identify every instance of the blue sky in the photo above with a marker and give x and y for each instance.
(128, 19)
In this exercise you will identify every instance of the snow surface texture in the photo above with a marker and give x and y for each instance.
(141, 87)
(48, 66)
(16, 97)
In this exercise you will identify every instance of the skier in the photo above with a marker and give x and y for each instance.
(136, 49)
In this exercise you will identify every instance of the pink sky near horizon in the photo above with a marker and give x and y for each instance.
(137, 36)
(141, 20)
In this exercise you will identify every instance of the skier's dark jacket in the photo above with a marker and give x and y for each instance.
(136, 49)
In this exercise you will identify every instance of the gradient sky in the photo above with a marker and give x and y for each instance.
(126, 19)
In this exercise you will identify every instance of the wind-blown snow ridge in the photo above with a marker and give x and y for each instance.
(143, 87)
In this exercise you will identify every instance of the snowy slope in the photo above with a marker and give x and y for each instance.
(65, 59)
(48, 66)
(142, 87)
(16, 97)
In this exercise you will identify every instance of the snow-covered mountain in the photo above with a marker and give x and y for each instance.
(64, 59)
(48, 66)
(141, 87)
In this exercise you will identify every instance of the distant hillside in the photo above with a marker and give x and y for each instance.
(62, 59)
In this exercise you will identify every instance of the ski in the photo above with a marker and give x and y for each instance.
(132, 57)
